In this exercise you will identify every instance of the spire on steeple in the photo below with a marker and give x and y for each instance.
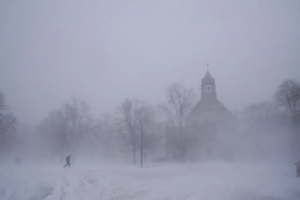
(208, 78)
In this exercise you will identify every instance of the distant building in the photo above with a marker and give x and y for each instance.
(208, 121)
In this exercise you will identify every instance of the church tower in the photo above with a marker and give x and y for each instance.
(208, 123)
(209, 105)
(208, 87)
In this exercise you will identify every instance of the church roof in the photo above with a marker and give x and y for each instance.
(207, 75)
(209, 105)
(208, 78)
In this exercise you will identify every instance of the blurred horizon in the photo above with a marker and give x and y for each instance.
(106, 51)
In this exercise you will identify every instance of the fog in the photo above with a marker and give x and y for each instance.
(209, 91)
(105, 51)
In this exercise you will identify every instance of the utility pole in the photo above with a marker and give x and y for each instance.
(142, 135)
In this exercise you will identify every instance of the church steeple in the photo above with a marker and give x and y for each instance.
(208, 87)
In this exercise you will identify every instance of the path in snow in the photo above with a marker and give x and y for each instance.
(201, 182)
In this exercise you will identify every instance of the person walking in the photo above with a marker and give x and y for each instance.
(68, 159)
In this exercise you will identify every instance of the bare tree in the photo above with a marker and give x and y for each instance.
(129, 110)
(144, 116)
(66, 127)
(78, 119)
(7, 127)
(135, 118)
(180, 103)
(2, 105)
(263, 116)
(54, 130)
(288, 95)
(7, 123)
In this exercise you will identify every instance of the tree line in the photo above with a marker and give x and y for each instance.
(138, 128)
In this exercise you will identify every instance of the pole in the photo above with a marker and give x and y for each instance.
(142, 135)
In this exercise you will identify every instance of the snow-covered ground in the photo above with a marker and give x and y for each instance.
(201, 182)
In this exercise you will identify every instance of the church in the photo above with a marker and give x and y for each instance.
(209, 122)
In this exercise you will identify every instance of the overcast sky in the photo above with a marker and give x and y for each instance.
(106, 51)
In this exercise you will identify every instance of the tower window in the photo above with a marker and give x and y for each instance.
(208, 88)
